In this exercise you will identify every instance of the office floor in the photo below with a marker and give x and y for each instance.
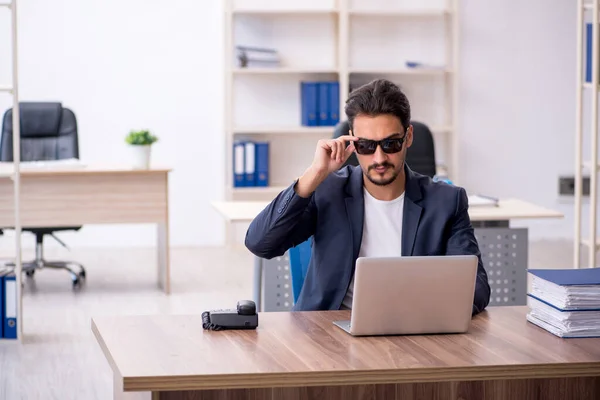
(60, 358)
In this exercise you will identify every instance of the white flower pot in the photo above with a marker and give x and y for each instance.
(140, 156)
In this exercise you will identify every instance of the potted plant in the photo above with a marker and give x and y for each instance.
(140, 143)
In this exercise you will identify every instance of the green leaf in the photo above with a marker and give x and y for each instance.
(141, 137)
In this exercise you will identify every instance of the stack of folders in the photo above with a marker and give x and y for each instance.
(478, 200)
(566, 302)
(320, 103)
(249, 57)
(250, 163)
(8, 303)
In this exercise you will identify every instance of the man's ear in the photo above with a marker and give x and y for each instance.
(409, 136)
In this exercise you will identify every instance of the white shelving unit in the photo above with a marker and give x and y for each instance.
(587, 12)
(13, 90)
(350, 41)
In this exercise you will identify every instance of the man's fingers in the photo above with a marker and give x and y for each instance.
(334, 149)
(349, 150)
(348, 138)
(341, 151)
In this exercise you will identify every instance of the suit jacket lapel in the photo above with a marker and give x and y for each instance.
(355, 209)
(412, 212)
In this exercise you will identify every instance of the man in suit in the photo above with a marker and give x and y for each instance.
(379, 208)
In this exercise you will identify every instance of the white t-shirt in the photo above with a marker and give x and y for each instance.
(382, 232)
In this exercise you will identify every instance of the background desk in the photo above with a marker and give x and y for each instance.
(79, 195)
(300, 355)
(504, 252)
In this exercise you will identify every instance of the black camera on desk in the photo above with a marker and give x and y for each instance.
(243, 317)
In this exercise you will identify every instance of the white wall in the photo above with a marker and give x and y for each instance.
(132, 64)
(129, 64)
(518, 61)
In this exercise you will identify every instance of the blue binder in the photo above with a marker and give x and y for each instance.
(588, 52)
(262, 163)
(250, 163)
(323, 103)
(569, 277)
(308, 101)
(334, 103)
(238, 164)
(9, 317)
(1, 304)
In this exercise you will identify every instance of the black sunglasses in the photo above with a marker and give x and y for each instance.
(388, 145)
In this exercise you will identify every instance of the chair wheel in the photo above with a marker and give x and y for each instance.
(30, 272)
(82, 274)
(76, 281)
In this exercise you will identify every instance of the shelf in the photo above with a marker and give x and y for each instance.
(259, 189)
(441, 128)
(586, 243)
(588, 165)
(7, 5)
(400, 71)
(588, 85)
(305, 130)
(297, 11)
(7, 89)
(399, 13)
(288, 130)
(283, 71)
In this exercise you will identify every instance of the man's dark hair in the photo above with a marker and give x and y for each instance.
(376, 98)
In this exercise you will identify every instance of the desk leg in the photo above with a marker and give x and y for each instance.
(164, 259)
(258, 272)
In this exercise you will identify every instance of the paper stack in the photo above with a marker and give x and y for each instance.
(566, 302)
(477, 200)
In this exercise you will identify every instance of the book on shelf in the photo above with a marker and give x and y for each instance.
(588, 52)
(250, 163)
(249, 57)
(320, 103)
(565, 302)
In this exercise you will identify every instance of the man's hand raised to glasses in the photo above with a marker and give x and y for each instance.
(330, 155)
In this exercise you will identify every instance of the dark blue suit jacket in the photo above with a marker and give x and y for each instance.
(436, 222)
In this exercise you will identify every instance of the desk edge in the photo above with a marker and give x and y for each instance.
(106, 352)
(361, 377)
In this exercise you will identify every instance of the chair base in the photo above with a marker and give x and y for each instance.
(76, 270)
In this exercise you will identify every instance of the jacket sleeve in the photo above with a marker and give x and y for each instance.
(286, 222)
(462, 241)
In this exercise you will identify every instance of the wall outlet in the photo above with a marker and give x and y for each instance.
(566, 186)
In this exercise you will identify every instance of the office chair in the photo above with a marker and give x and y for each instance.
(299, 259)
(420, 157)
(48, 132)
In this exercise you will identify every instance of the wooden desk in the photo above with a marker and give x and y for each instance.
(72, 196)
(304, 356)
(508, 209)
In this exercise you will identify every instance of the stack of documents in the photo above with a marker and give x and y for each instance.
(478, 200)
(566, 302)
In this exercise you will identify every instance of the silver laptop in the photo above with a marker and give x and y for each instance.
(412, 295)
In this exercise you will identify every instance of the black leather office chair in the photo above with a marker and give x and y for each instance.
(421, 155)
(48, 132)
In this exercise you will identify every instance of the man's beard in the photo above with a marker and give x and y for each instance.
(386, 181)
